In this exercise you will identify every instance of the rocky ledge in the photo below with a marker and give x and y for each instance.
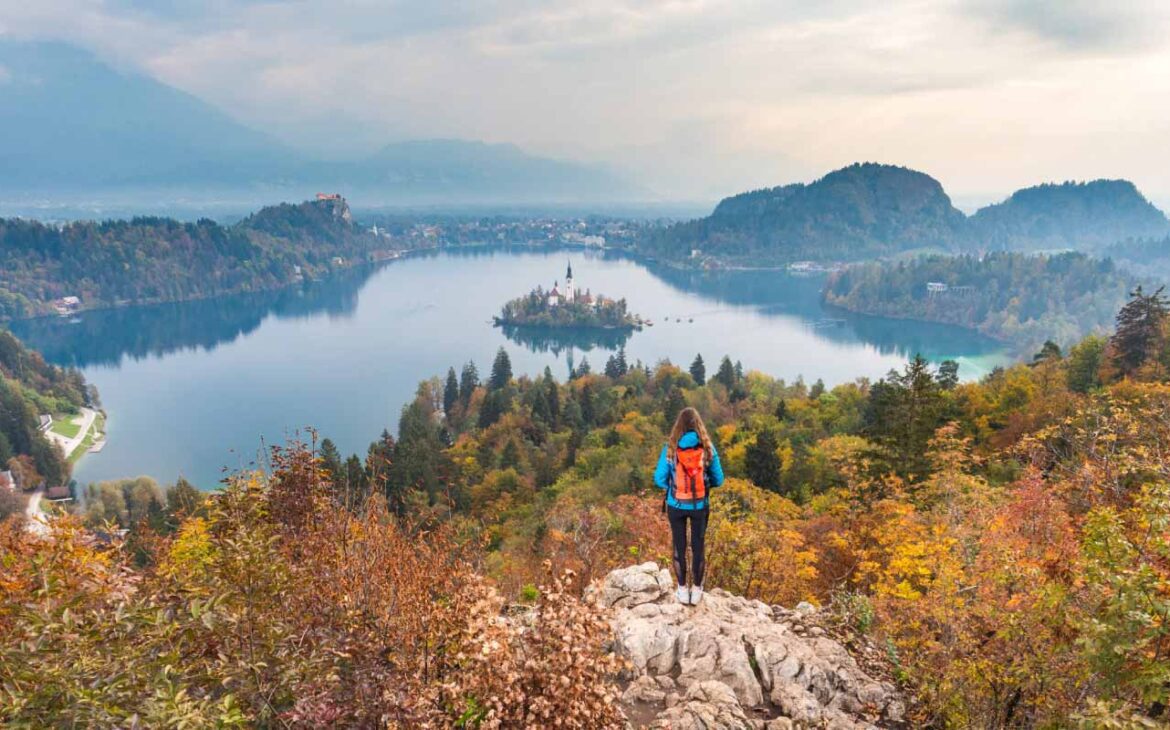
(732, 663)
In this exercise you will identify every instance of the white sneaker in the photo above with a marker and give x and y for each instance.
(683, 595)
(696, 595)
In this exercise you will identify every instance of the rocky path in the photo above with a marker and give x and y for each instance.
(733, 663)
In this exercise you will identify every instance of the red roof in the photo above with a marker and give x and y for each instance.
(554, 292)
(55, 493)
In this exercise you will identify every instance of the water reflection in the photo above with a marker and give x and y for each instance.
(559, 340)
(105, 337)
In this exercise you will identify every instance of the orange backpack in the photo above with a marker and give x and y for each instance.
(690, 484)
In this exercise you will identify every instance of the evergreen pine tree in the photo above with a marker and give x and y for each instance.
(762, 463)
(468, 382)
(331, 459)
(612, 369)
(582, 369)
(184, 499)
(948, 374)
(1139, 330)
(418, 457)
(738, 370)
(553, 397)
(699, 370)
(501, 371)
(510, 457)
(492, 407)
(1049, 351)
(902, 414)
(588, 414)
(355, 482)
(726, 374)
(817, 390)
(782, 410)
(450, 392)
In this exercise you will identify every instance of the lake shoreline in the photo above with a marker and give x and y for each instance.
(344, 355)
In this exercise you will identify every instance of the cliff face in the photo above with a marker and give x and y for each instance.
(733, 663)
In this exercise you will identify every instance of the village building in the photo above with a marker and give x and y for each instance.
(59, 494)
(67, 305)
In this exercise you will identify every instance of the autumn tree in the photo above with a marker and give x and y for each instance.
(1083, 364)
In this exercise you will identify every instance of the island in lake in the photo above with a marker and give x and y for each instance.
(568, 307)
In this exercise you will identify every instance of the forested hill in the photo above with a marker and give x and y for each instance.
(861, 211)
(148, 260)
(1080, 216)
(1020, 298)
(868, 210)
(28, 387)
(1003, 542)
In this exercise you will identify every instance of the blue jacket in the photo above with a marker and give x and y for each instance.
(664, 472)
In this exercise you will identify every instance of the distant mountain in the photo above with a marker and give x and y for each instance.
(868, 210)
(71, 124)
(1082, 216)
(441, 168)
(858, 212)
(68, 122)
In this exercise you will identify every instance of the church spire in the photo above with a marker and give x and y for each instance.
(569, 272)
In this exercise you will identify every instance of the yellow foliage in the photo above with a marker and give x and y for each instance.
(190, 553)
(754, 547)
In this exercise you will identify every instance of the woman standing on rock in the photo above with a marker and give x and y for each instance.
(688, 469)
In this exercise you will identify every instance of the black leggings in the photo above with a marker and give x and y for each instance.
(678, 533)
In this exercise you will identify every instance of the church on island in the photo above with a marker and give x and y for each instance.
(567, 305)
(570, 292)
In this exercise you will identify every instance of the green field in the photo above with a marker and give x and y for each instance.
(99, 426)
(63, 425)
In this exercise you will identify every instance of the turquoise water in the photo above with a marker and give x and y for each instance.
(195, 388)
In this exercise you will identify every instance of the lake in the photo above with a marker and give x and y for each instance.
(194, 388)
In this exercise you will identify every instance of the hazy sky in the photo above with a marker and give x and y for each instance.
(695, 98)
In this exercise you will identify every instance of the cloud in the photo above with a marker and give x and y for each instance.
(1081, 25)
(691, 95)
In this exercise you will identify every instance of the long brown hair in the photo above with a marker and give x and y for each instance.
(689, 420)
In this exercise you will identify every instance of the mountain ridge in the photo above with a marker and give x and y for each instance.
(73, 124)
(870, 210)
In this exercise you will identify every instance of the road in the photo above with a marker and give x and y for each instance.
(69, 445)
(36, 518)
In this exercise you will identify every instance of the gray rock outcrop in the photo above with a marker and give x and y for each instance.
(730, 663)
